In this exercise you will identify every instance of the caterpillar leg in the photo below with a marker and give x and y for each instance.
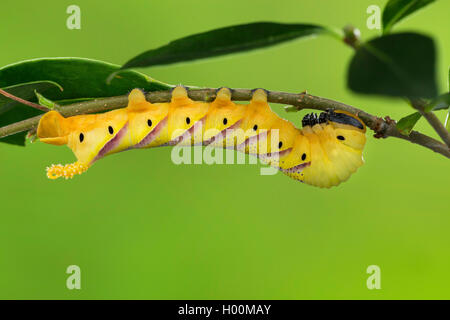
(135, 98)
(180, 96)
(259, 95)
(223, 96)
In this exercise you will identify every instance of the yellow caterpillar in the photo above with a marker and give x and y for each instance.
(324, 153)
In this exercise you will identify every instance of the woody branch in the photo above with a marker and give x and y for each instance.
(383, 128)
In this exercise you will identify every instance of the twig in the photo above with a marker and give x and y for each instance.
(433, 121)
(383, 128)
(28, 103)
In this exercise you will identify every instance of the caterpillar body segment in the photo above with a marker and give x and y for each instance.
(325, 152)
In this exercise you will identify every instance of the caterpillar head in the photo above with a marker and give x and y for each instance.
(349, 129)
(90, 137)
(336, 141)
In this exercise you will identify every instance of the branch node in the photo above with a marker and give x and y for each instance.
(390, 121)
(379, 128)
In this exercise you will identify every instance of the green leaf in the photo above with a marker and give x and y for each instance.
(442, 102)
(17, 139)
(43, 101)
(223, 41)
(401, 64)
(406, 124)
(12, 111)
(80, 78)
(396, 10)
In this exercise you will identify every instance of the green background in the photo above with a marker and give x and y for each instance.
(141, 227)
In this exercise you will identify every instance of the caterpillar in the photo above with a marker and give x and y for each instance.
(324, 153)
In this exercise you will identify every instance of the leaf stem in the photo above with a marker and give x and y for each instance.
(437, 125)
(22, 101)
(383, 128)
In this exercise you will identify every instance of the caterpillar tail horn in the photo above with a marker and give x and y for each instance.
(67, 171)
(55, 129)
